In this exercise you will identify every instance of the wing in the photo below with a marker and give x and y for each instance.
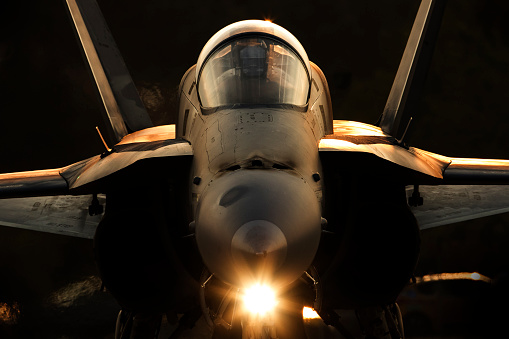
(124, 108)
(374, 147)
(42, 201)
(409, 81)
(66, 215)
(356, 137)
(470, 189)
(462, 188)
(83, 177)
(450, 204)
(122, 156)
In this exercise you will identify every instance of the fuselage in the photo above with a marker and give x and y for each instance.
(256, 184)
(256, 166)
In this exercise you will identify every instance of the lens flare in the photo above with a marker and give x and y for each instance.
(259, 299)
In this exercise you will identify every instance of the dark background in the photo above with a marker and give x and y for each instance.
(49, 107)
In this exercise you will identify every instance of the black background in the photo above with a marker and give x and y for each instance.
(49, 107)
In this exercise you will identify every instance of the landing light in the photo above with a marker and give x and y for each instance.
(309, 313)
(260, 299)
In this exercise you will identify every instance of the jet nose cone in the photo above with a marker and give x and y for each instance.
(260, 247)
(254, 225)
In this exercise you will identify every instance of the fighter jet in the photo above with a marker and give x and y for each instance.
(256, 202)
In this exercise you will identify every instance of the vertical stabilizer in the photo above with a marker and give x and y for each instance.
(402, 102)
(124, 108)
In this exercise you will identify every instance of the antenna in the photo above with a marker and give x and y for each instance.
(102, 139)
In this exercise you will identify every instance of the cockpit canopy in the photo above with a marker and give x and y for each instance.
(250, 65)
(253, 70)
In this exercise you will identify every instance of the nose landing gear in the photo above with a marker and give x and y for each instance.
(225, 312)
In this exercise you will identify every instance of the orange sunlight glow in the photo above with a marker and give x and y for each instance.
(309, 313)
(454, 276)
(466, 162)
(9, 314)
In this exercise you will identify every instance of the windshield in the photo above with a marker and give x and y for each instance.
(253, 70)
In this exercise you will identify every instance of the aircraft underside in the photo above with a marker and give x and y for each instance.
(150, 263)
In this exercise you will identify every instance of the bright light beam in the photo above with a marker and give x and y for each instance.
(309, 313)
(259, 299)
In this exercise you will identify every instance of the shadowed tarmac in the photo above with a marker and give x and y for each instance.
(49, 288)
